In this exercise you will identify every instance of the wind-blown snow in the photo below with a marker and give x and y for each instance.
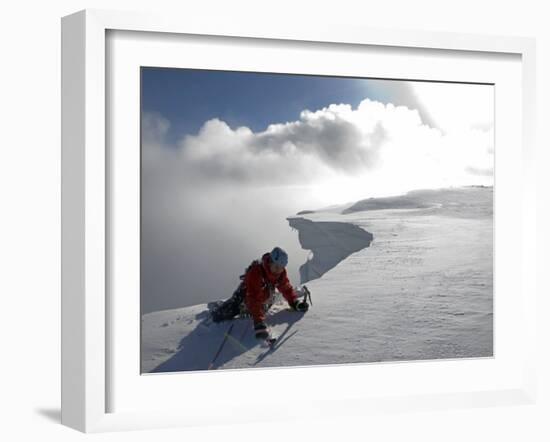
(422, 289)
(330, 242)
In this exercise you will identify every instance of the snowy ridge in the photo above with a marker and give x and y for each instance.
(478, 200)
(422, 289)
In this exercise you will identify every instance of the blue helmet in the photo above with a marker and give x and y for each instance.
(279, 256)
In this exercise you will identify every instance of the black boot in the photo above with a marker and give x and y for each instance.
(229, 308)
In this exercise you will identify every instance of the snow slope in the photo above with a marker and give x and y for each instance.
(423, 289)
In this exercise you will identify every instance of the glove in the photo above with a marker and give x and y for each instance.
(260, 328)
(300, 306)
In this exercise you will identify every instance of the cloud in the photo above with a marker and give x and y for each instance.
(403, 93)
(375, 139)
(333, 140)
(479, 172)
(154, 128)
(456, 107)
(329, 140)
(219, 198)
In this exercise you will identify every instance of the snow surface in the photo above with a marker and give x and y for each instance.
(421, 287)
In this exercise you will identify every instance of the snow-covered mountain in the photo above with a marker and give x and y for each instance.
(401, 278)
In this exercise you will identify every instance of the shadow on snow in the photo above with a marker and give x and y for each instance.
(197, 349)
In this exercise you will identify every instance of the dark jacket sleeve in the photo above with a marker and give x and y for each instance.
(286, 289)
(254, 294)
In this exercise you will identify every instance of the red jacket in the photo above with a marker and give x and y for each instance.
(258, 280)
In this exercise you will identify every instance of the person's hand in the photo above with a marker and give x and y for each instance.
(260, 328)
(300, 306)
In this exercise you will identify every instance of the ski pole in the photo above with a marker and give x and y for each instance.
(221, 346)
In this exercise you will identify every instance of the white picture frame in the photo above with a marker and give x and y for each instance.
(86, 203)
